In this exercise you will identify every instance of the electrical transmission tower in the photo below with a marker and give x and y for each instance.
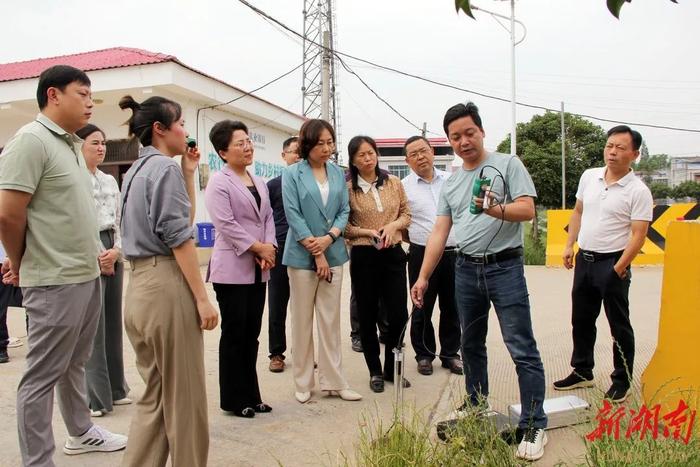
(319, 71)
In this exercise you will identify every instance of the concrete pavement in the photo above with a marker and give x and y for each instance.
(323, 431)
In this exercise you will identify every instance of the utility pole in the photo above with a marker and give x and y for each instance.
(319, 79)
(513, 43)
(563, 159)
(424, 131)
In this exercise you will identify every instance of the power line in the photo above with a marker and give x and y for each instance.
(352, 72)
(248, 93)
(458, 88)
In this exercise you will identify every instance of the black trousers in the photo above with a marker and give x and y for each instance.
(241, 307)
(596, 282)
(382, 320)
(9, 296)
(277, 300)
(442, 285)
(379, 274)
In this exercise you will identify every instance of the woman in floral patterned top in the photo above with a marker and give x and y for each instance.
(379, 213)
(105, 370)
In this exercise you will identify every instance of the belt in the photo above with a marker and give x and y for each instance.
(592, 256)
(448, 249)
(149, 260)
(494, 257)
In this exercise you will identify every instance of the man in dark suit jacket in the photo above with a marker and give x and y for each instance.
(278, 288)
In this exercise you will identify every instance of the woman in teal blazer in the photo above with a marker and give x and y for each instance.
(315, 201)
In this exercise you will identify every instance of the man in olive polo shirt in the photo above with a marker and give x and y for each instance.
(48, 226)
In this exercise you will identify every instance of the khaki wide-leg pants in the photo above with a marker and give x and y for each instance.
(309, 296)
(160, 317)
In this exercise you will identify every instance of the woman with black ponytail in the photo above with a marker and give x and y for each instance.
(166, 304)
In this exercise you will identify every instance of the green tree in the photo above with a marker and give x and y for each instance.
(688, 188)
(649, 165)
(539, 146)
(660, 190)
(613, 5)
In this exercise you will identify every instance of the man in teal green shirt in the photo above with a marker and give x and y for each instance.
(489, 268)
(48, 226)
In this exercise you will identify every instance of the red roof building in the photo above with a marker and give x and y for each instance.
(116, 57)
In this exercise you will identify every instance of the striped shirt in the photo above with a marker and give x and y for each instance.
(423, 196)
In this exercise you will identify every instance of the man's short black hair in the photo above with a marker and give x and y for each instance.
(413, 139)
(459, 111)
(635, 135)
(58, 76)
(287, 142)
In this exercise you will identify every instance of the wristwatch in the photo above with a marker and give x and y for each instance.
(333, 236)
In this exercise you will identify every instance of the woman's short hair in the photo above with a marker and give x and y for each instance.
(222, 132)
(310, 133)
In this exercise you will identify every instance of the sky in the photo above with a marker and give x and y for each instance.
(642, 68)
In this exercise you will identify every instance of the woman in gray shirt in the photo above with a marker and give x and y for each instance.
(166, 303)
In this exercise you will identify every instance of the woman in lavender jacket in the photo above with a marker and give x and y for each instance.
(244, 252)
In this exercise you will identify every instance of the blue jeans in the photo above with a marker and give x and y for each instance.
(503, 284)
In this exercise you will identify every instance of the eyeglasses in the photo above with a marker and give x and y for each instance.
(290, 151)
(420, 152)
(242, 144)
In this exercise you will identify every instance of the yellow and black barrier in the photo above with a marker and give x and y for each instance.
(654, 246)
(673, 373)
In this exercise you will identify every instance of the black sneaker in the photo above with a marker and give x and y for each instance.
(573, 381)
(617, 393)
(356, 344)
(4, 358)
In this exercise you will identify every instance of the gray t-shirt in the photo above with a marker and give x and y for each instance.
(473, 232)
(156, 214)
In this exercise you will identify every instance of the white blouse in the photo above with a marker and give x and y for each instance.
(107, 203)
(325, 189)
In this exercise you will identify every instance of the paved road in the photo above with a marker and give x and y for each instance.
(322, 431)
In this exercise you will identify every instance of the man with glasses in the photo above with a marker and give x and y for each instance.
(422, 188)
(278, 289)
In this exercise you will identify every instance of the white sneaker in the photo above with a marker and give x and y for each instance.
(532, 446)
(123, 401)
(14, 342)
(96, 439)
(96, 413)
(303, 397)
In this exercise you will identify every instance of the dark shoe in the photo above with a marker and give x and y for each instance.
(356, 344)
(617, 393)
(4, 358)
(454, 365)
(246, 412)
(277, 364)
(513, 436)
(467, 409)
(406, 383)
(573, 381)
(425, 367)
(262, 408)
(376, 383)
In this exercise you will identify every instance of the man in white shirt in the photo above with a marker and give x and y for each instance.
(610, 220)
(422, 188)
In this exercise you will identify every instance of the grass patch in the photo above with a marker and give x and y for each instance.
(534, 251)
(410, 442)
